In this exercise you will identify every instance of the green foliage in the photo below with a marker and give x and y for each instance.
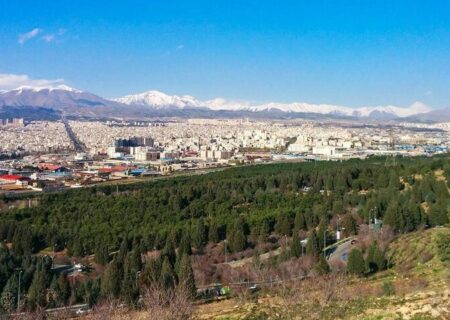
(185, 246)
(356, 264)
(111, 280)
(322, 267)
(243, 205)
(375, 260)
(388, 288)
(168, 277)
(296, 246)
(101, 253)
(312, 246)
(199, 234)
(442, 242)
(349, 225)
(37, 292)
(186, 275)
(237, 240)
(213, 232)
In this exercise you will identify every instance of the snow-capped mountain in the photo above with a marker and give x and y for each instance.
(58, 97)
(75, 102)
(159, 100)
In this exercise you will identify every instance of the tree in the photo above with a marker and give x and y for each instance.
(296, 246)
(213, 233)
(356, 264)
(185, 243)
(299, 221)
(186, 275)
(438, 213)
(152, 271)
(350, 226)
(237, 240)
(322, 266)
(37, 293)
(391, 217)
(199, 234)
(338, 207)
(312, 246)
(101, 253)
(168, 277)
(283, 226)
(169, 251)
(64, 289)
(111, 280)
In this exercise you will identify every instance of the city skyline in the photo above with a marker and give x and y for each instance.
(345, 53)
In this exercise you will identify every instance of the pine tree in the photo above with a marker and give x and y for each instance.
(264, 231)
(111, 280)
(152, 271)
(371, 265)
(391, 216)
(299, 222)
(213, 233)
(185, 243)
(237, 239)
(322, 267)
(169, 251)
(37, 290)
(186, 275)
(438, 213)
(64, 289)
(8, 301)
(356, 264)
(312, 246)
(101, 253)
(199, 234)
(349, 225)
(283, 226)
(123, 251)
(168, 277)
(296, 246)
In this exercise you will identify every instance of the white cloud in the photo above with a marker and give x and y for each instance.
(12, 81)
(48, 38)
(428, 93)
(24, 37)
(180, 46)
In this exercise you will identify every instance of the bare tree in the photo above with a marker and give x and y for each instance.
(109, 309)
(167, 303)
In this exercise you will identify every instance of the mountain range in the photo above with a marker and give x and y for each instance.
(76, 103)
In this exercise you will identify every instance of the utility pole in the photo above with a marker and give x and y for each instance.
(225, 250)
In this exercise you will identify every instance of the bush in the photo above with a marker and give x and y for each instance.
(356, 264)
(442, 242)
(388, 288)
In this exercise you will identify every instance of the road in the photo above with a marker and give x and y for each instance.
(77, 144)
(341, 252)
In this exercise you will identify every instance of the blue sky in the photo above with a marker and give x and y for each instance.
(353, 53)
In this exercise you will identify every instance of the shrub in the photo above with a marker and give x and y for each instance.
(388, 288)
(442, 242)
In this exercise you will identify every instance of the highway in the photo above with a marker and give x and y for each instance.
(77, 144)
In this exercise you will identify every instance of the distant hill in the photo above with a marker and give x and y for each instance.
(76, 103)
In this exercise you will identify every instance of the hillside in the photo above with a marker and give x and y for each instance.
(416, 287)
(297, 240)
